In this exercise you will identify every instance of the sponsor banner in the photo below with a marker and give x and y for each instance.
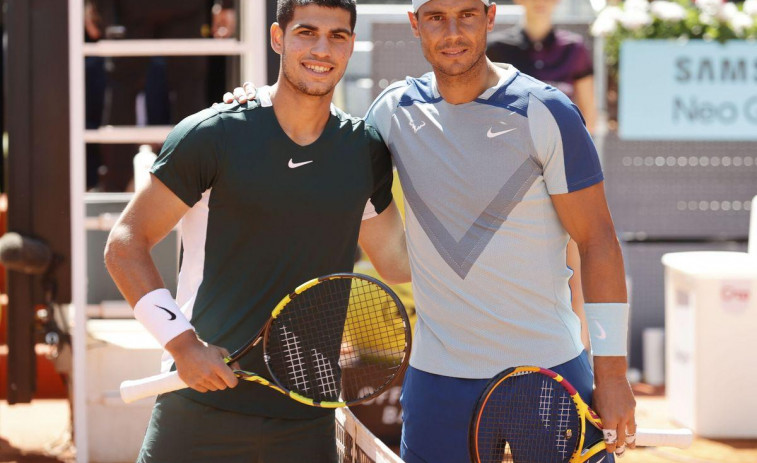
(688, 90)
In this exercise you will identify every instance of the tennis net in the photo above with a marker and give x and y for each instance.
(356, 444)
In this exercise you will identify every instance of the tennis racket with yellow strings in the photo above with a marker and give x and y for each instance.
(335, 341)
(529, 414)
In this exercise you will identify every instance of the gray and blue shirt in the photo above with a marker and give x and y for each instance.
(486, 246)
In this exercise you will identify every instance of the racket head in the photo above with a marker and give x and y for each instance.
(526, 414)
(337, 340)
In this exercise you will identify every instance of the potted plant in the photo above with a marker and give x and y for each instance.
(682, 20)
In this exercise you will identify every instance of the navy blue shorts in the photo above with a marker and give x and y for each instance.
(436, 412)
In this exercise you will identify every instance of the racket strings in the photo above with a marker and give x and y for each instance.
(326, 378)
(294, 358)
(566, 409)
(339, 340)
(545, 402)
(525, 419)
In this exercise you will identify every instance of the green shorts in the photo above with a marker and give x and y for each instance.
(182, 430)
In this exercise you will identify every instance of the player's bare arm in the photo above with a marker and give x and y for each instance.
(586, 217)
(383, 240)
(146, 220)
(583, 90)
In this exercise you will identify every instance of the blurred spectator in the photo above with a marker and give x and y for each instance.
(174, 87)
(555, 56)
(95, 83)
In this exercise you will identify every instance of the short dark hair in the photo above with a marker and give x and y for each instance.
(285, 9)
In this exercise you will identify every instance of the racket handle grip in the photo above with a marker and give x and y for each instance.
(153, 385)
(680, 438)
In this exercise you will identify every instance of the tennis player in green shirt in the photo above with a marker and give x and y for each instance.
(268, 194)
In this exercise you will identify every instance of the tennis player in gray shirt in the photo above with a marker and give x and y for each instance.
(499, 172)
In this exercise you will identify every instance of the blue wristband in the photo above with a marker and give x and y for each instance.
(608, 327)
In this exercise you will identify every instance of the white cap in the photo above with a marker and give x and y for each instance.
(419, 3)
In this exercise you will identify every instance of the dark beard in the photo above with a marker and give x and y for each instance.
(442, 72)
(299, 85)
(302, 88)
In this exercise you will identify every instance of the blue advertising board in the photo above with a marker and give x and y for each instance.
(688, 90)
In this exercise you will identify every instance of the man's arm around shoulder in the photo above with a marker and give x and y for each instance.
(383, 240)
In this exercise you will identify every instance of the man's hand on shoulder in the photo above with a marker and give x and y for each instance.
(241, 94)
(200, 364)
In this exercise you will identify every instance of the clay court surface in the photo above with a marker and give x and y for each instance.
(38, 433)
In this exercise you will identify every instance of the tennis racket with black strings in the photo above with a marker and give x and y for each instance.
(335, 341)
(529, 414)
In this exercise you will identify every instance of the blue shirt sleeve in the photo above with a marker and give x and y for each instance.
(563, 144)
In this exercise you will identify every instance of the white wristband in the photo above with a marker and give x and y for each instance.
(158, 312)
(608, 327)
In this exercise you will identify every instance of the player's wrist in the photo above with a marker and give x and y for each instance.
(608, 368)
(182, 343)
(608, 328)
(160, 315)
